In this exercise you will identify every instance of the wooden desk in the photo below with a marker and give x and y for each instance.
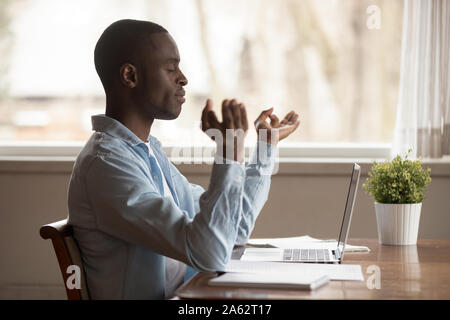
(407, 272)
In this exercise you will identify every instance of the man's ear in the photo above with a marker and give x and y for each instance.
(128, 75)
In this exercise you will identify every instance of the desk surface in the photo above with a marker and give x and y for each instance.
(407, 272)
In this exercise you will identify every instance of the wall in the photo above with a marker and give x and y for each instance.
(305, 198)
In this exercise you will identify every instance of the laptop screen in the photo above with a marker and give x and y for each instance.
(351, 196)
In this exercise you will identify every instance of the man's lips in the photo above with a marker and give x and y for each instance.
(181, 99)
(180, 96)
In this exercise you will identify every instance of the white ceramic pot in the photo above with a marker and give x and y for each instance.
(398, 224)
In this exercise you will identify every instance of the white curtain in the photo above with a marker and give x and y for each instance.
(423, 114)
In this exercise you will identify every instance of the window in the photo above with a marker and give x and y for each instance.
(320, 58)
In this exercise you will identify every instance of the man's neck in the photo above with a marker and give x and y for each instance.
(137, 124)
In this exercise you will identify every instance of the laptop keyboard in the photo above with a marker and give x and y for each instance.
(306, 255)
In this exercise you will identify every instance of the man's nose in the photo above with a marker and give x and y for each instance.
(182, 80)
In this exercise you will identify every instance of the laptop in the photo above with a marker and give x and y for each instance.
(315, 255)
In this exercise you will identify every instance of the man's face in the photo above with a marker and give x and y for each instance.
(161, 80)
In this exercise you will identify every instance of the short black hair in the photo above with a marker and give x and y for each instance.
(122, 42)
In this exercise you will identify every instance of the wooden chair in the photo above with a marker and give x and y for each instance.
(68, 253)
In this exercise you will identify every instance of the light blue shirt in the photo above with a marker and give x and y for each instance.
(125, 228)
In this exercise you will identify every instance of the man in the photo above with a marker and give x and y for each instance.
(142, 228)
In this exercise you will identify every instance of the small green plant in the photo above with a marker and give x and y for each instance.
(398, 181)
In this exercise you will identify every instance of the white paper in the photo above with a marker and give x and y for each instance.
(260, 280)
(334, 271)
(304, 242)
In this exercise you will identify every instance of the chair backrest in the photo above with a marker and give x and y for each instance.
(68, 254)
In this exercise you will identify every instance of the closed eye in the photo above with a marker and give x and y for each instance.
(172, 65)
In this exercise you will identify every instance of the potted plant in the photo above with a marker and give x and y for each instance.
(398, 187)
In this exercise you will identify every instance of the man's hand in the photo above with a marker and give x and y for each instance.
(275, 131)
(229, 134)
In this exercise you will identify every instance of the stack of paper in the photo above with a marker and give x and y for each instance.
(302, 242)
(289, 275)
(277, 281)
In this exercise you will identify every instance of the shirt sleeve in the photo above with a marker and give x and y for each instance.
(256, 188)
(198, 190)
(128, 207)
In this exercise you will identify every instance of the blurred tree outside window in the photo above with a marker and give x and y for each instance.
(319, 58)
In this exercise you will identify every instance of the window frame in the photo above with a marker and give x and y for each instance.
(286, 151)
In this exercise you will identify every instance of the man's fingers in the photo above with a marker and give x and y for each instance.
(274, 121)
(287, 117)
(287, 129)
(212, 120)
(292, 115)
(236, 111)
(227, 115)
(206, 109)
(213, 124)
(244, 120)
(263, 116)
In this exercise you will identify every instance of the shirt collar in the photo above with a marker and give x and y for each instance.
(103, 123)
